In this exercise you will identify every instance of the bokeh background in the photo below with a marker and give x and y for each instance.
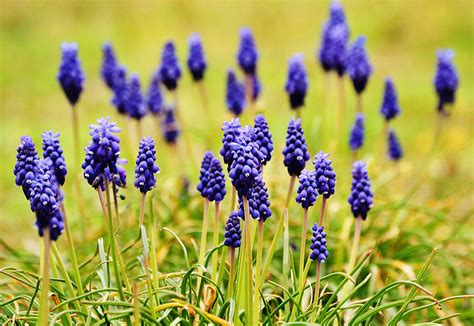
(403, 37)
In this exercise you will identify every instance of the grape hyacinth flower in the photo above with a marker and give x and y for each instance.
(361, 197)
(358, 65)
(297, 82)
(109, 65)
(196, 61)
(324, 174)
(52, 150)
(247, 55)
(26, 165)
(170, 70)
(71, 76)
(318, 246)
(296, 151)
(120, 179)
(170, 126)
(395, 151)
(446, 79)
(235, 94)
(390, 108)
(204, 173)
(256, 88)
(215, 187)
(154, 99)
(120, 89)
(146, 167)
(307, 191)
(232, 130)
(259, 204)
(233, 233)
(135, 103)
(356, 140)
(263, 137)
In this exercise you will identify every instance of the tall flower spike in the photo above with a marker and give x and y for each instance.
(259, 203)
(263, 137)
(233, 233)
(296, 151)
(109, 65)
(170, 71)
(70, 76)
(196, 60)
(395, 151)
(120, 89)
(154, 97)
(215, 188)
(446, 79)
(135, 103)
(232, 131)
(247, 55)
(297, 82)
(235, 94)
(361, 197)
(256, 87)
(390, 108)
(170, 126)
(204, 173)
(356, 139)
(358, 65)
(146, 167)
(307, 191)
(45, 201)
(120, 179)
(26, 164)
(52, 150)
(318, 247)
(245, 166)
(324, 175)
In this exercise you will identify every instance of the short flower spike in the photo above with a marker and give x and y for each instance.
(70, 75)
(361, 197)
(146, 167)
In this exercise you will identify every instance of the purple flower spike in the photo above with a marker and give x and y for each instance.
(146, 167)
(307, 191)
(361, 197)
(214, 190)
(259, 204)
(154, 97)
(248, 54)
(318, 246)
(395, 151)
(297, 82)
(204, 173)
(52, 150)
(26, 164)
(233, 233)
(196, 60)
(70, 76)
(109, 65)
(390, 108)
(245, 166)
(263, 137)
(170, 126)
(135, 103)
(296, 151)
(120, 179)
(324, 175)
(45, 201)
(120, 89)
(170, 71)
(232, 131)
(356, 140)
(446, 79)
(358, 65)
(256, 87)
(235, 95)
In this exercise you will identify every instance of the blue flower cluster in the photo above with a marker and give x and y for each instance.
(395, 151)
(109, 65)
(356, 139)
(263, 137)
(26, 164)
(361, 197)
(318, 246)
(211, 178)
(297, 82)
(170, 126)
(233, 233)
(259, 203)
(120, 89)
(52, 150)
(446, 79)
(135, 103)
(146, 166)
(70, 76)
(256, 87)
(235, 94)
(170, 71)
(154, 99)
(390, 108)
(307, 191)
(296, 151)
(324, 175)
(232, 130)
(358, 65)
(204, 172)
(196, 60)
(247, 55)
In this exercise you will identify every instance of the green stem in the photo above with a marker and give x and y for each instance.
(153, 240)
(355, 244)
(359, 103)
(66, 318)
(75, 133)
(286, 235)
(258, 272)
(142, 209)
(116, 210)
(316, 293)
(249, 260)
(230, 290)
(202, 249)
(44, 296)
(215, 242)
(301, 277)
(323, 212)
(233, 199)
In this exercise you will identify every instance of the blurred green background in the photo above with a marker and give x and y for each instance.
(403, 37)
